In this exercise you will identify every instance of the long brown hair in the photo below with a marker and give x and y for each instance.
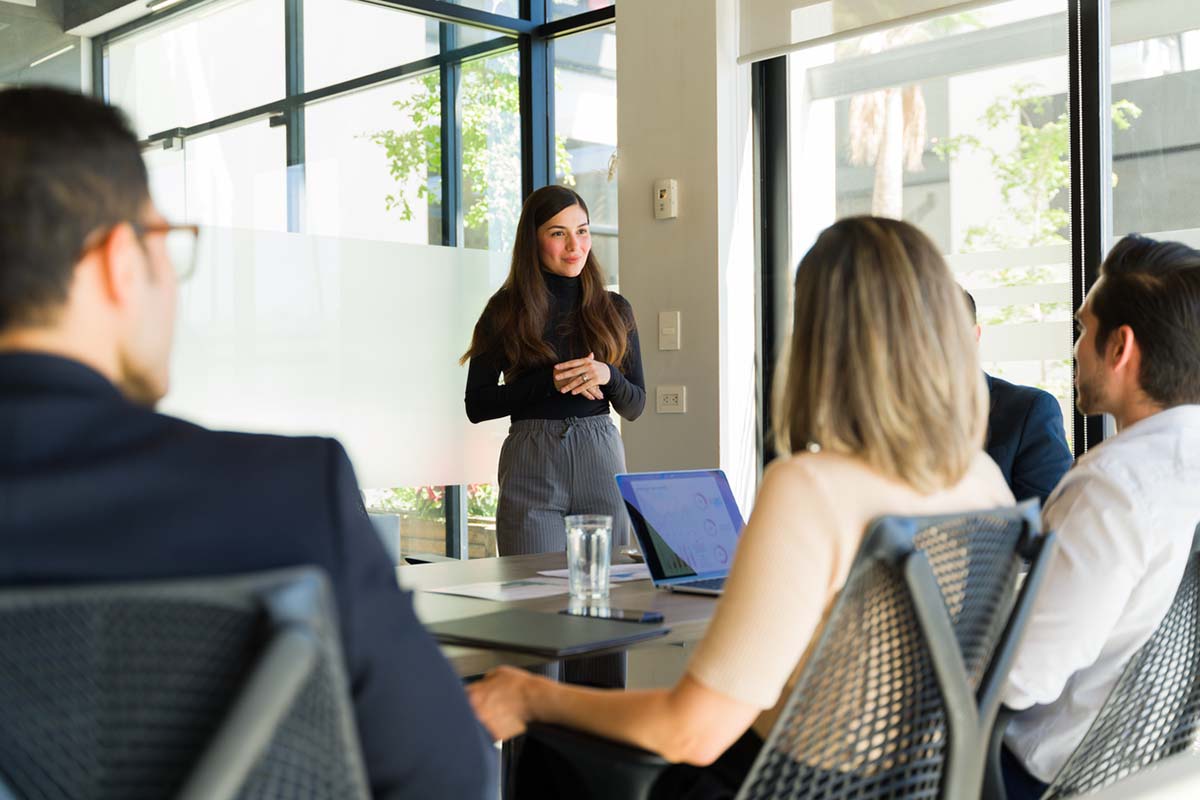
(515, 317)
(883, 364)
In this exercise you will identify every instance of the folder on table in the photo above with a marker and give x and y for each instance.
(554, 635)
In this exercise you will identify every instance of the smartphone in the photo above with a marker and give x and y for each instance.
(621, 614)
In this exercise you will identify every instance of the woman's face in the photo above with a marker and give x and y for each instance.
(564, 242)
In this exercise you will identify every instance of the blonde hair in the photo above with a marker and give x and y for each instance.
(882, 363)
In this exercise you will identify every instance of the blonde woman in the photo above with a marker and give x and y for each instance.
(883, 409)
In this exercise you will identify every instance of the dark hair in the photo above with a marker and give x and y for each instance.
(516, 315)
(69, 166)
(971, 305)
(1154, 288)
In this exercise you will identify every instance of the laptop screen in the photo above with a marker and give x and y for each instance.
(687, 523)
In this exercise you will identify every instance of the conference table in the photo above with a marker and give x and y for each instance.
(687, 615)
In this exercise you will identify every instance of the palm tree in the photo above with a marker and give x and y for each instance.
(887, 126)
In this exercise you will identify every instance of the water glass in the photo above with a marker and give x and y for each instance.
(589, 538)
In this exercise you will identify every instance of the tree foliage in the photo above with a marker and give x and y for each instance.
(1033, 173)
(490, 130)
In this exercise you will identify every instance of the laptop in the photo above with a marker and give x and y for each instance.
(687, 524)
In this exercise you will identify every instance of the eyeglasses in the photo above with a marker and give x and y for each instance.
(180, 241)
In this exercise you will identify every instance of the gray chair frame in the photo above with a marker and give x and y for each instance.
(301, 632)
(1152, 712)
(611, 769)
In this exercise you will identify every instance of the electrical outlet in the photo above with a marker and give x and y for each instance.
(671, 400)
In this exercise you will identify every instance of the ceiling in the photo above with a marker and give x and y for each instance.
(27, 34)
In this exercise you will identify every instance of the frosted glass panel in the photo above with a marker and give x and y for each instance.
(296, 334)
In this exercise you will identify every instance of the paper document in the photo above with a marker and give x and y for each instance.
(617, 573)
(504, 591)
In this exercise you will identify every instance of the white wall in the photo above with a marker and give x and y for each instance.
(684, 112)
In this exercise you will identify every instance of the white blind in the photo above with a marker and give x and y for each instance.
(769, 28)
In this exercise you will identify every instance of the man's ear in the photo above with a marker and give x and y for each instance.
(1122, 347)
(120, 262)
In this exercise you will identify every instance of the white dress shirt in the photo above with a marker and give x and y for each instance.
(1125, 515)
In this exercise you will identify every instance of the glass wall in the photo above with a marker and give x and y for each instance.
(489, 130)
(585, 126)
(324, 301)
(557, 9)
(959, 125)
(363, 177)
(165, 76)
(1156, 148)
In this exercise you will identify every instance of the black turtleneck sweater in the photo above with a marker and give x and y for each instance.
(532, 395)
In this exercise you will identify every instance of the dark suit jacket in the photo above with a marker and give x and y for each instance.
(1026, 438)
(95, 488)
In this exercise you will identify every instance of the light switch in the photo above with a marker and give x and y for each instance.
(666, 198)
(671, 400)
(668, 330)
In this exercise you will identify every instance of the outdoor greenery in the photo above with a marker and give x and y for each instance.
(428, 502)
(489, 114)
(1034, 173)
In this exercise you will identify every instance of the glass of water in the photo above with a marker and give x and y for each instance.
(589, 538)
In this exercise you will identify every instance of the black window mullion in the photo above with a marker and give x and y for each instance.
(293, 31)
(535, 85)
(99, 69)
(769, 99)
(450, 74)
(454, 498)
(1090, 97)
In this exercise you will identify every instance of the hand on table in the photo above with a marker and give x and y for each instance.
(582, 376)
(501, 701)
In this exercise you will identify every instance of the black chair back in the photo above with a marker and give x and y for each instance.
(905, 680)
(230, 687)
(1153, 710)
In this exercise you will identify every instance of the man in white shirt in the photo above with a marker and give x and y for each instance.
(1125, 514)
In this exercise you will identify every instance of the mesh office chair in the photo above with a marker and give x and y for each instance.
(217, 688)
(905, 680)
(1153, 710)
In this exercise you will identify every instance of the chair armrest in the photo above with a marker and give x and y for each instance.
(595, 767)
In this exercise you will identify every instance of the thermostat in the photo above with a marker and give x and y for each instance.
(666, 198)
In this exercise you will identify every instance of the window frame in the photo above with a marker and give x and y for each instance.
(1089, 101)
(529, 34)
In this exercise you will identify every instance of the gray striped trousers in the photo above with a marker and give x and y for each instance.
(551, 468)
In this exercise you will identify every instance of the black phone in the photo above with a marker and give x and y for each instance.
(620, 614)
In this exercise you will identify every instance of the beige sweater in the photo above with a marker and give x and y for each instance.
(794, 556)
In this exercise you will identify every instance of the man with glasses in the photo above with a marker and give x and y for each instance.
(96, 486)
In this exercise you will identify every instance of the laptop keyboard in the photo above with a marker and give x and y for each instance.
(710, 583)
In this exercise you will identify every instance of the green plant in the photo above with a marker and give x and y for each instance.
(482, 499)
(1032, 174)
(426, 502)
(489, 103)
(429, 502)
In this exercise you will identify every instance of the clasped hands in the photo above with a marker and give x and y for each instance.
(582, 376)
